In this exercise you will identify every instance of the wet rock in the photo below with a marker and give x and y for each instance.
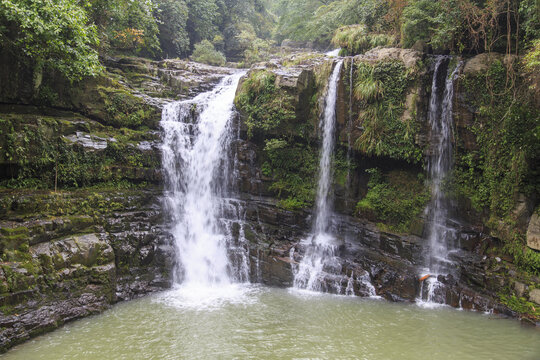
(534, 296)
(533, 232)
(520, 288)
(87, 250)
(409, 57)
(89, 141)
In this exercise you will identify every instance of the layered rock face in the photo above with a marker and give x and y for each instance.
(74, 252)
(99, 238)
(379, 245)
(93, 250)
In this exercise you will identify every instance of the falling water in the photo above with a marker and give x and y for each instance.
(197, 136)
(440, 161)
(320, 251)
(349, 126)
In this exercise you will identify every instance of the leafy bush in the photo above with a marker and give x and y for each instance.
(437, 23)
(50, 35)
(173, 36)
(396, 199)
(381, 89)
(266, 108)
(293, 169)
(312, 21)
(356, 39)
(206, 53)
(127, 26)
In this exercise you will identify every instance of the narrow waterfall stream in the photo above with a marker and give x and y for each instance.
(197, 136)
(321, 245)
(440, 235)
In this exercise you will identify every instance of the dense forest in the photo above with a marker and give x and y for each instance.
(69, 35)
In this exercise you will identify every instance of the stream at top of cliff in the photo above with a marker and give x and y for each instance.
(248, 321)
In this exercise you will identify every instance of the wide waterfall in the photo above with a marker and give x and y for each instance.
(196, 165)
(321, 247)
(440, 235)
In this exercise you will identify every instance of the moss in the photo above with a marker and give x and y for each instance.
(13, 239)
(302, 59)
(264, 106)
(521, 306)
(508, 142)
(502, 163)
(292, 167)
(40, 157)
(17, 280)
(380, 90)
(395, 199)
(125, 110)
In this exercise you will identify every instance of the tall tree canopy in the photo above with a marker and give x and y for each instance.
(50, 34)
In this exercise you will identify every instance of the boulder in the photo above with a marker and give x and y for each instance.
(87, 250)
(409, 57)
(534, 296)
(533, 233)
(520, 288)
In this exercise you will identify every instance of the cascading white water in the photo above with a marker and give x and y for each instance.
(440, 161)
(320, 250)
(350, 125)
(197, 136)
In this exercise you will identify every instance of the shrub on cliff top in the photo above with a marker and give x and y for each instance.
(357, 40)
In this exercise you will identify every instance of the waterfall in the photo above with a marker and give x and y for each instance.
(196, 166)
(320, 251)
(349, 126)
(440, 161)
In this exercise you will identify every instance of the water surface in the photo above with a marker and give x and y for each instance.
(250, 322)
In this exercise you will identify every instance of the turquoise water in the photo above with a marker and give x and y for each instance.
(250, 322)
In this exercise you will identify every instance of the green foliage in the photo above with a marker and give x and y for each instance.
(293, 168)
(420, 19)
(384, 133)
(124, 110)
(521, 306)
(507, 139)
(51, 35)
(204, 17)
(531, 60)
(529, 12)
(437, 23)
(506, 132)
(314, 20)
(172, 16)
(126, 26)
(266, 107)
(40, 158)
(356, 39)
(396, 199)
(205, 53)
(256, 49)
(525, 258)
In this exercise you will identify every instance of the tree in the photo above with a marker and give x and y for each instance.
(50, 35)
(203, 19)
(173, 36)
(205, 53)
